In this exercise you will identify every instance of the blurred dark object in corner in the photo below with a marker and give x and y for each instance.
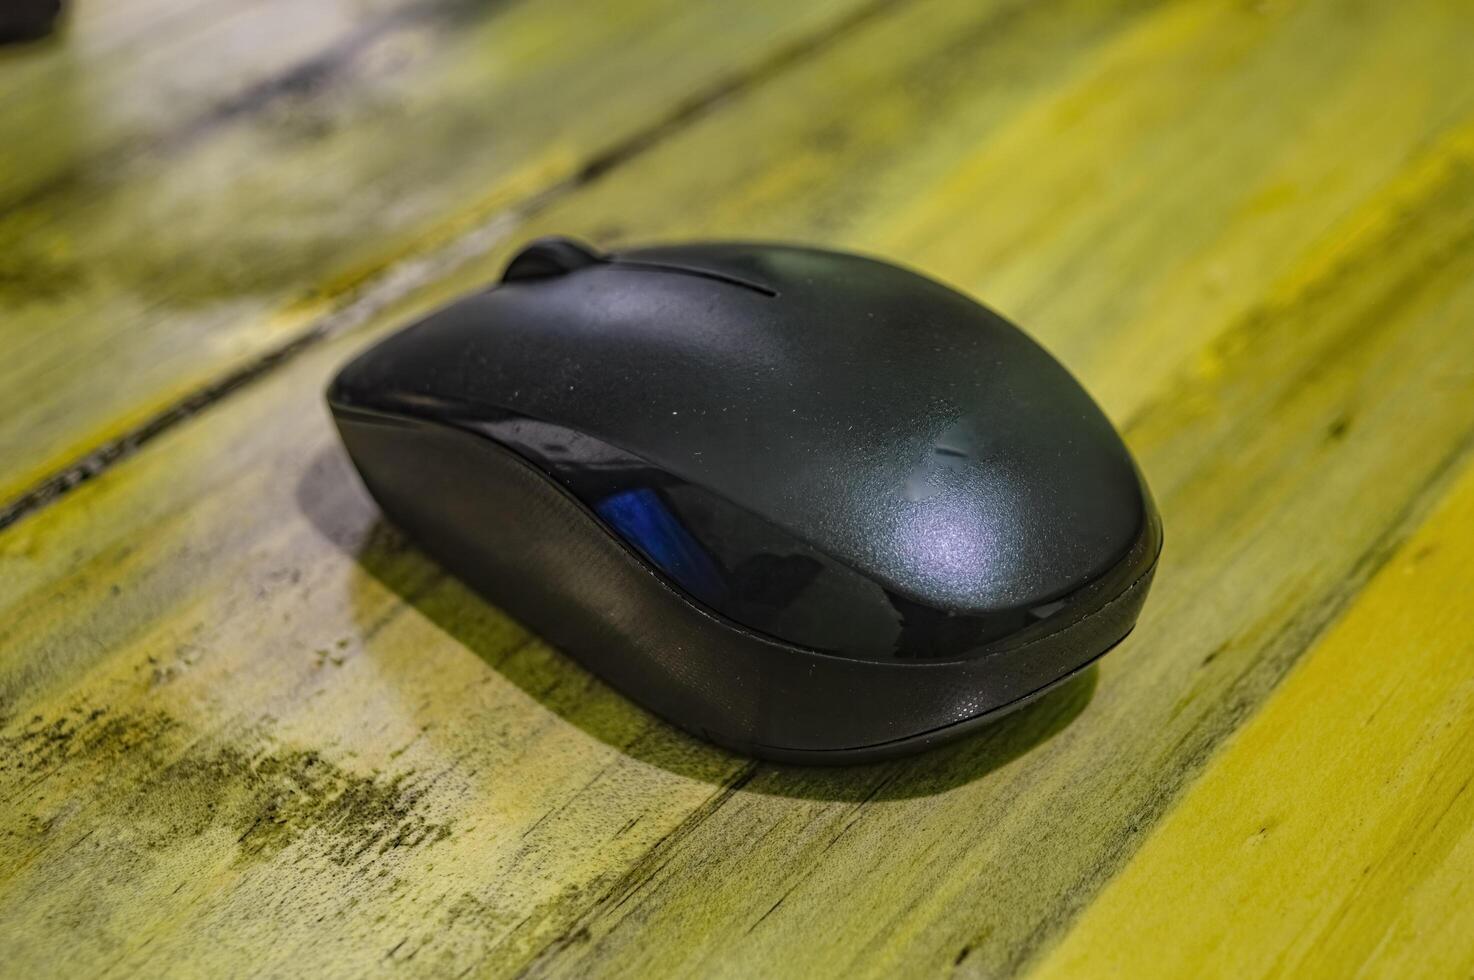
(27, 20)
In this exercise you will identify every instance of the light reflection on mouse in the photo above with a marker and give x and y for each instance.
(810, 505)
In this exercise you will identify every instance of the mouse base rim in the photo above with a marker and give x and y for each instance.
(909, 745)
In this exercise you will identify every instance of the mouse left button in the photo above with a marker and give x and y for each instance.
(554, 256)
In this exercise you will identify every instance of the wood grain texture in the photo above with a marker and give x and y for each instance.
(1284, 471)
(247, 728)
(1335, 832)
(159, 230)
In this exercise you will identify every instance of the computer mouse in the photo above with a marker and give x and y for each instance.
(809, 505)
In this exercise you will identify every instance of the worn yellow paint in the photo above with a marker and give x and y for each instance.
(246, 727)
(1283, 480)
(120, 80)
(1199, 149)
(1335, 831)
(150, 242)
(1235, 125)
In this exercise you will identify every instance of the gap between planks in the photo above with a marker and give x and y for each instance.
(390, 283)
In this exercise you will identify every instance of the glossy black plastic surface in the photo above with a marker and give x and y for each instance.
(500, 524)
(821, 448)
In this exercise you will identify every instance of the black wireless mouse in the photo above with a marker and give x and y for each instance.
(809, 505)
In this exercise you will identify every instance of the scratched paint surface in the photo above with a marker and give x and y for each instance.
(170, 238)
(245, 727)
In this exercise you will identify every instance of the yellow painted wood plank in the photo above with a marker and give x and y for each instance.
(532, 860)
(247, 725)
(1286, 474)
(1145, 192)
(1254, 151)
(198, 731)
(1265, 540)
(1334, 833)
(119, 78)
(131, 276)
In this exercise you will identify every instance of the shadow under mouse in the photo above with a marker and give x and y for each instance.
(339, 510)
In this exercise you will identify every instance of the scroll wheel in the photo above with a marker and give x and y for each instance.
(557, 256)
(550, 257)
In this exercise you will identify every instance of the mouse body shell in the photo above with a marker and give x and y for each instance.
(807, 504)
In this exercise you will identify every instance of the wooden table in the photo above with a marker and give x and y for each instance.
(249, 730)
